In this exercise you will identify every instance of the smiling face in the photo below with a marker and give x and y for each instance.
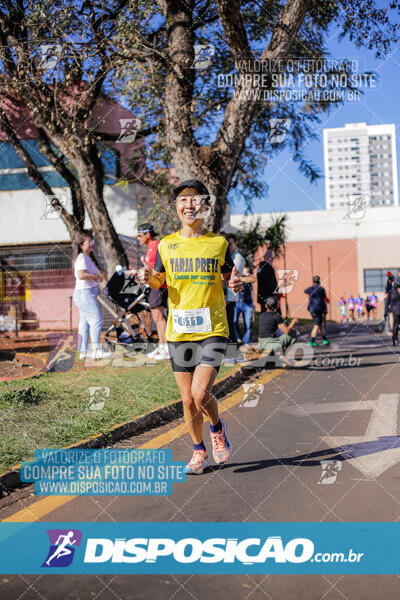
(190, 206)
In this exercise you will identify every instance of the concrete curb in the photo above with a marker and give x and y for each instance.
(165, 414)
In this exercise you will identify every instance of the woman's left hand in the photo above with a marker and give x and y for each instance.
(234, 282)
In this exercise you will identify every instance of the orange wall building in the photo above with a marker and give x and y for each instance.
(351, 255)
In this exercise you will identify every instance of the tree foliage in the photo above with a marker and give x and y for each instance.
(252, 236)
(219, 133)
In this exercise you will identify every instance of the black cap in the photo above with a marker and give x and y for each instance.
(191, 183)
(146, 228)
(272, 302)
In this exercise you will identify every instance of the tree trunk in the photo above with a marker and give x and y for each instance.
(91, 178)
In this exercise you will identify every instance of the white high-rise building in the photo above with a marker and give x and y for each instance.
(360, 161)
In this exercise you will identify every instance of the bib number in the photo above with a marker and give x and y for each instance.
(196, 320)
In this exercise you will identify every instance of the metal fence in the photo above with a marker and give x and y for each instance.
(26, 269)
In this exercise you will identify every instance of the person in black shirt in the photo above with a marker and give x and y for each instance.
(317, 307)
(388, 291)
(395, 307)
(267, 284)
(268, 324)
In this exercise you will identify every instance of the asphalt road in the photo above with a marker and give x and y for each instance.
(343, 408)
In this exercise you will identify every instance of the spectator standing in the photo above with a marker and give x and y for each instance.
(267, 284)
(231, 299)
(244, 306)
(388, 291)
(395, 307)
(87, 278)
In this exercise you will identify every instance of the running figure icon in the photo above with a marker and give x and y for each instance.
(62, 549)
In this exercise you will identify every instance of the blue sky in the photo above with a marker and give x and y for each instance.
(288, 189)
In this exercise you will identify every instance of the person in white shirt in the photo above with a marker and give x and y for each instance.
(87, 278)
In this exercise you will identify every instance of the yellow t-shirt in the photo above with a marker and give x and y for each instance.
(196, 303)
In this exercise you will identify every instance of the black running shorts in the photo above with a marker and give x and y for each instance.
(318, 318)
(158, 298)
(185, 356)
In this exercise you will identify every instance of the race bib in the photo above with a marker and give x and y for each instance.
(195, 320)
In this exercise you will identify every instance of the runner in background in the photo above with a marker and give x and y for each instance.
(351, 304)
(368, 307)
(343, 310)
(359, 307)
(373, 300)
(158, 299)
(317, 307)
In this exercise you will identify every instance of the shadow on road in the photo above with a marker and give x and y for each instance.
(342, 453)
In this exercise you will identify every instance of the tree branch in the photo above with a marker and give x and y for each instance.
(235, 33)
(242, 107)
(78, 208)
(179, 84)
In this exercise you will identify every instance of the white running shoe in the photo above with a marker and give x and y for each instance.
(160, 353)
(198, 463)
(99, 354)
(85, 355)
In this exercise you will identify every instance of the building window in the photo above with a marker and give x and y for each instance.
(375, 279)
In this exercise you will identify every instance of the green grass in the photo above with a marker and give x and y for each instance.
(51, 411)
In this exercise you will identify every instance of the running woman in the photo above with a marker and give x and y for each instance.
(373, 300)
(351, 303)
(343, 309)
(359, 306)
(192, 261)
